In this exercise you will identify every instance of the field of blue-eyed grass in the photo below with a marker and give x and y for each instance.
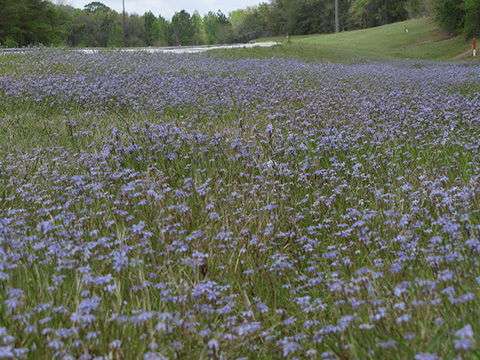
(205, 207)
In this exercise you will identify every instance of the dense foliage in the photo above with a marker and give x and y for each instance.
(460, 17)
(185, 206)
(28, 22)
(25, 22)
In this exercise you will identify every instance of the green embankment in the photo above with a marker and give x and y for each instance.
(424, 41)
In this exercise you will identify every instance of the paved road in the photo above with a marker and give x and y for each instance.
(195, 49)
(172, 49)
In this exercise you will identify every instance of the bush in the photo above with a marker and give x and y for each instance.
(472, 18)
(451, 15)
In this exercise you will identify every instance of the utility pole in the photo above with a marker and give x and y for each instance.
(124, 32)
(336, 17)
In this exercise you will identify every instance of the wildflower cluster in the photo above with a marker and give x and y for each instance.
(185, 205)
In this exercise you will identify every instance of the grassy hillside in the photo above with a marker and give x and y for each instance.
(425, 41)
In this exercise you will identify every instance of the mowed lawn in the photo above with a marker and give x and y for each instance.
(424, 41)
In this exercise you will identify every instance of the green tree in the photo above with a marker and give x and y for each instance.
(416, 8)
(237, 17)
(199, 35)
(472, 18)
(451, 15)
(94, 24)
(160, 30)
(133, 32)
(148, 28)
(115, 37)
(182, 28)
(29, 22)
(218, 28)
(254, 25)
(371, 13)
(96, 6)
(80, 29)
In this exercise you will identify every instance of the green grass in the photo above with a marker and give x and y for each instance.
(361, 179)
(425, 41)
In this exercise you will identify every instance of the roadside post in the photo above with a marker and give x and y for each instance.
(474, 47)
(405, 41)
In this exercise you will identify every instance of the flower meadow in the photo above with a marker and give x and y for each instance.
(161, 206)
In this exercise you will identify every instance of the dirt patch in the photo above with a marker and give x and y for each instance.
(464, 56)
(439, 36)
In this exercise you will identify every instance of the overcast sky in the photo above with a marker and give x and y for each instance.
(168, 8)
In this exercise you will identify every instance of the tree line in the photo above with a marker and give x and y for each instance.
(33, 22)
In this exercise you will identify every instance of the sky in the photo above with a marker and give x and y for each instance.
(167, 8)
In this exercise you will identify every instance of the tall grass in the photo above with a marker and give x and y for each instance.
(192, 206)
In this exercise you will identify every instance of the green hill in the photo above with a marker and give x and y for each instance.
(424, 41)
